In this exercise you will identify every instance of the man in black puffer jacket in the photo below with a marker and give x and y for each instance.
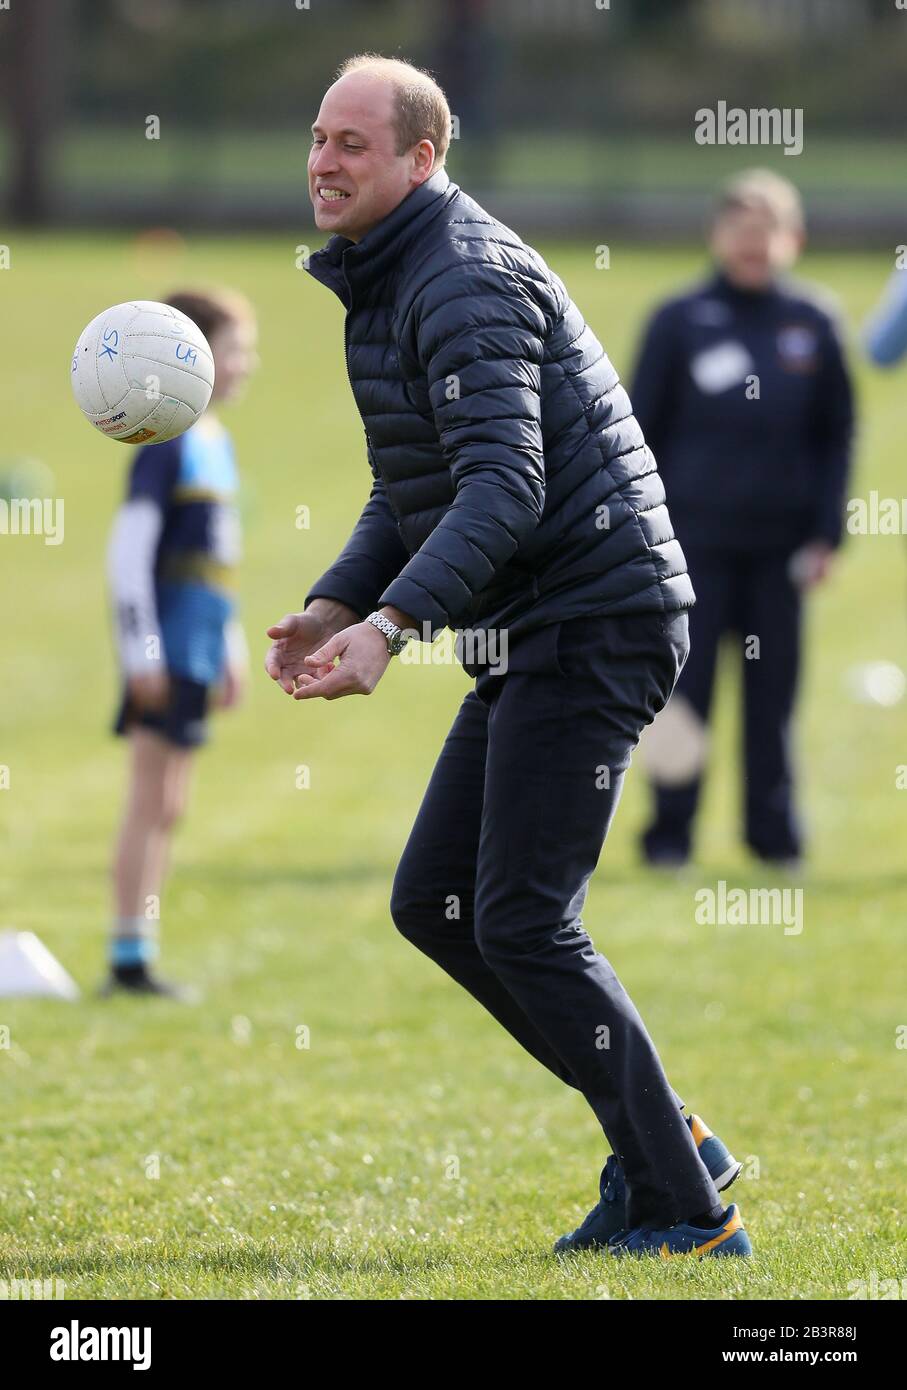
(514, 500)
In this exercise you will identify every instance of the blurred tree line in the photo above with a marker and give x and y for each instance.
(209, 66)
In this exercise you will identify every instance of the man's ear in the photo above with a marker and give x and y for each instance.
(424, 158)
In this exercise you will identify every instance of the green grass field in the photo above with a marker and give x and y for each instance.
(411, 1151)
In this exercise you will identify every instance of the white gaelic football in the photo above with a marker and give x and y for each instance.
(142, 372)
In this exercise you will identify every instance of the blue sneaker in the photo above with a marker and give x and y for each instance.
(607, 1218)
(717, 1157)
(683, 1239)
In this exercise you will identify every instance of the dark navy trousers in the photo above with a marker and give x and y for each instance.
(493, 878)
(752, 596)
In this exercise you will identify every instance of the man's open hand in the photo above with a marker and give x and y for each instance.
(363, 660)
(298, 634)
(306, 645)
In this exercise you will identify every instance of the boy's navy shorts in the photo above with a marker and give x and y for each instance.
(185, 720)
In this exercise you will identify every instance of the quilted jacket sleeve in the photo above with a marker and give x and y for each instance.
(371, 558)
(479, 334)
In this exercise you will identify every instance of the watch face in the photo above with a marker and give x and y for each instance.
(396, 645)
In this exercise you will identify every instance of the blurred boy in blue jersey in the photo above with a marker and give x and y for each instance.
(172, 563)
(744, 397)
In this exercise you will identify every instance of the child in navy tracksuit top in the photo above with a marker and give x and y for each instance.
(744, 397)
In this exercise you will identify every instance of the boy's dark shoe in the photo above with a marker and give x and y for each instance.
(137, 979)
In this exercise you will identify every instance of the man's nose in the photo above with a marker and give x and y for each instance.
(324, 159)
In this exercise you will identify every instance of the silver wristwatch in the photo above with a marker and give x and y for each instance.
(395, 636)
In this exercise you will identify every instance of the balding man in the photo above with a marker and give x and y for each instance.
(514, 500)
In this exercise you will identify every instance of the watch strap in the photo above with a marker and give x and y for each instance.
(393, 635)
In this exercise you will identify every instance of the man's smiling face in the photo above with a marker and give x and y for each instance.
(356, 176)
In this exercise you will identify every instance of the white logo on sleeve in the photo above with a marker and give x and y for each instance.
(720, 367)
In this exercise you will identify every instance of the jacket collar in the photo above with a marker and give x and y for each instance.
(348, 266)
